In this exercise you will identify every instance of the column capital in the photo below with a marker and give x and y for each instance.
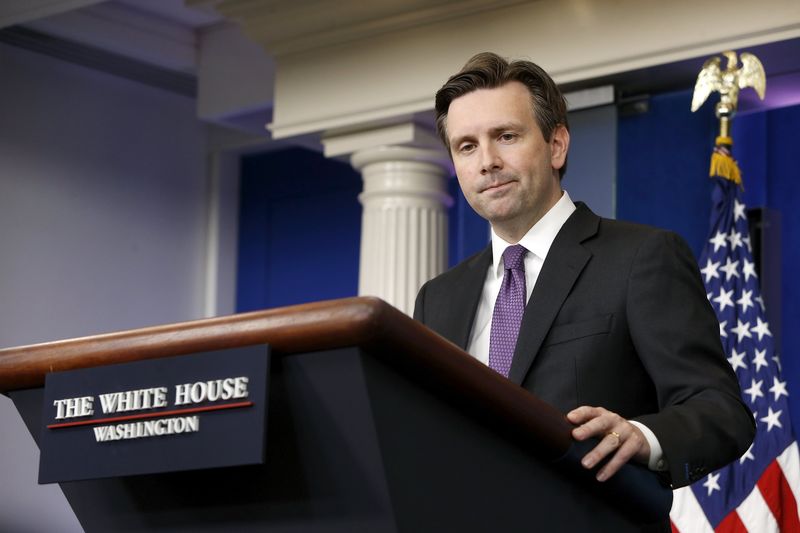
(403, 175)
(405, 154)
(402, 134)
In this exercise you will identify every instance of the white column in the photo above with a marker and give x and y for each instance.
(404, 223)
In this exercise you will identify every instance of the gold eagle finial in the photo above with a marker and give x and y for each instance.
(728, 82)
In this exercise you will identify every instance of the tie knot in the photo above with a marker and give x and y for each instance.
(512, 257)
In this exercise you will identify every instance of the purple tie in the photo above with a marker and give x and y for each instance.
(508, 310)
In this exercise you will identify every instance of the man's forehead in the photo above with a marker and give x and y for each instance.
(489, 108)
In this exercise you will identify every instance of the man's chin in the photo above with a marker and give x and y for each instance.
(500, 215)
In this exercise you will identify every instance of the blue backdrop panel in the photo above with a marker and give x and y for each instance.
(469, 233)
(299, 227)
(663, 165)
(783, 195)
(750, 150)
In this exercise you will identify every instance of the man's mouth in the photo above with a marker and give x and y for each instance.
(498, 186)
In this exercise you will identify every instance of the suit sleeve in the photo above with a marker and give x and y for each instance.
(702, 423)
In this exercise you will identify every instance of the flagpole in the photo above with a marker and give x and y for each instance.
(727, 82)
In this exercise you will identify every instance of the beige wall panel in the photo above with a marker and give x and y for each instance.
(397, 73)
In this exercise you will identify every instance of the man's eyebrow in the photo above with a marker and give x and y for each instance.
(506, 126)
(493, 131)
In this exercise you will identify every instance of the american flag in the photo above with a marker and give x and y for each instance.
(760, 491)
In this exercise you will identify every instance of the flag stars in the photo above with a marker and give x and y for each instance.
(746, 300)
(710, 270)
(760, 359)
(778, 388)
(772, 419)
(737, 360)
(749, 269)
(742, 330)
(761, 328)
(735, 238)
(748, 455)
(730, 269)
(718, 241)
(777, 359)
(722, 326)
(724, 299)
(755, 390)
(738, 210)
(760, 301)
(712, 483)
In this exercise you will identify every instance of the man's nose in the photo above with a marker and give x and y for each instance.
(490, 159)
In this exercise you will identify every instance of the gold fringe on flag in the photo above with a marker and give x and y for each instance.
(723, 164)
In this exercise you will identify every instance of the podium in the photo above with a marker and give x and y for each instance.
(374, 424)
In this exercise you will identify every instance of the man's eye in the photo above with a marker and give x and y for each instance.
(466, 147)
(507, 137)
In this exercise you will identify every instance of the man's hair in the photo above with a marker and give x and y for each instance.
(490, 71)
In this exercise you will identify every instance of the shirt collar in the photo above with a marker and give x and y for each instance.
(540, 237)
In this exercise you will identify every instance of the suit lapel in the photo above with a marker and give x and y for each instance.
(465, 298)
(565, 261)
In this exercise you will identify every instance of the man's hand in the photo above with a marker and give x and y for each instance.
(618, 438)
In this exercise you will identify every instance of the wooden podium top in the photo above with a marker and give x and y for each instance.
(382, 332)
(369, 323)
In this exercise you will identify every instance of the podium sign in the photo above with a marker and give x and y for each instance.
(188, 412)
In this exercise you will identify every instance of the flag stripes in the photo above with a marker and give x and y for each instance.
(755, 514)
(691, 518)
(778, 496)
(790, 465)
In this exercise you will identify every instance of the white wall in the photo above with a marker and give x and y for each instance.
(103, 220)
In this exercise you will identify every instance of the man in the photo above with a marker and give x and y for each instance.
(606, 320)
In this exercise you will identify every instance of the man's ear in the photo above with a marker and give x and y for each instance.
(559, 146)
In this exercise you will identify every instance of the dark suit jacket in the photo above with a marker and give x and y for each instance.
(619, 319)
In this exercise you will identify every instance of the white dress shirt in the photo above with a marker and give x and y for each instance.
(537, 241)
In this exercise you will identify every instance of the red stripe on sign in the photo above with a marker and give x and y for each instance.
(140, 416)
(779, 497)
(731, 524)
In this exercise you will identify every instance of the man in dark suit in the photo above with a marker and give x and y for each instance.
(606, 320)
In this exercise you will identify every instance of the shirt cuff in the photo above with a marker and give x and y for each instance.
(657, 461)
